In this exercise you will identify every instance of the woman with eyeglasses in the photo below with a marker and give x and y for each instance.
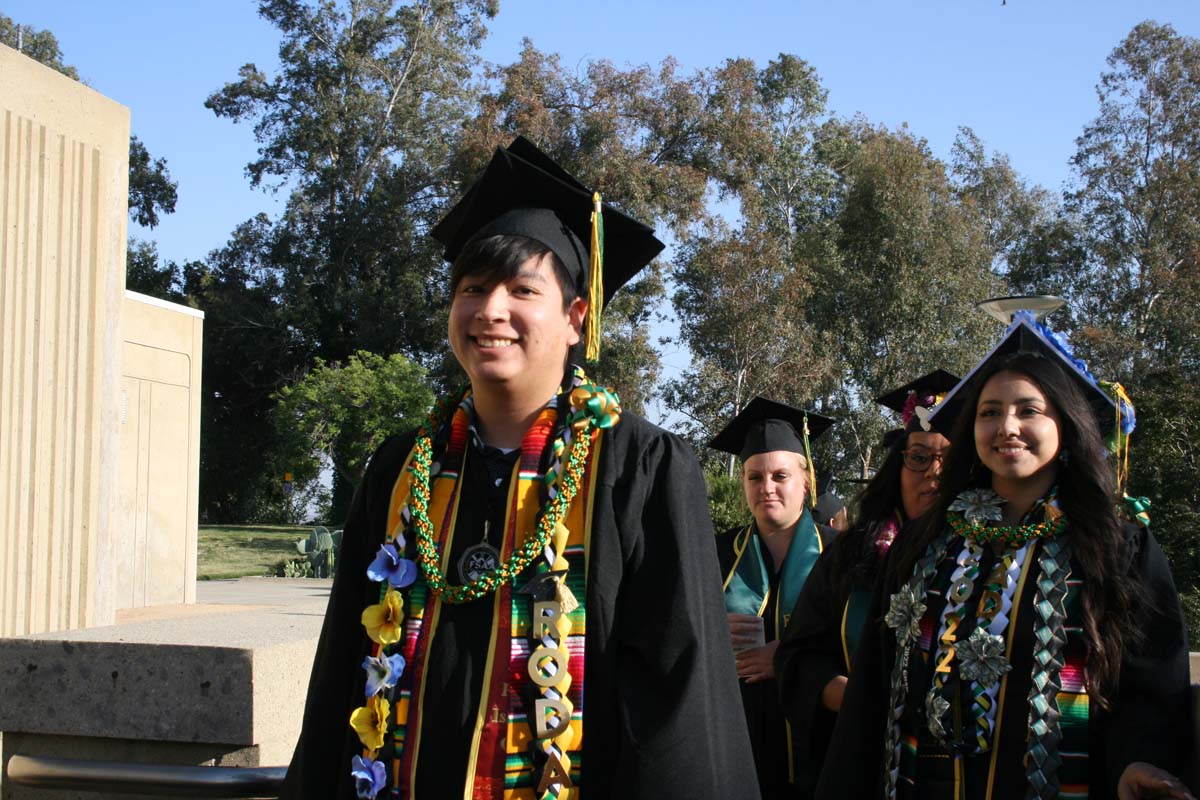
(1024, 641)
(815, 653)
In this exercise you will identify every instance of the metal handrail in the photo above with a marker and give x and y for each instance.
(162, 779)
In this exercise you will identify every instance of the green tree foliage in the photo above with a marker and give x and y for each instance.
(726, 499)
(740, 307)
(338, 414)
(41, 46)
(1135, 209)
(358, 125)
(1010, 210)
(151, 190)
(250, 349)
(854, 265)
(741, 288)
(145, 272)
(1138, 198)
(634, 135)
(894, 298)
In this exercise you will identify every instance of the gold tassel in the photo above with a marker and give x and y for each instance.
(565, 597)
(1122, 438)
(595, 280)
(812, 470)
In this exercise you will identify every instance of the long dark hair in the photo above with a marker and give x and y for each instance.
(1086, 487)
(855, 560)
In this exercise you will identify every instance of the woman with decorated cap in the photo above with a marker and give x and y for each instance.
(1025, 642)
(764, 565)
(813, 661)
(529, 535)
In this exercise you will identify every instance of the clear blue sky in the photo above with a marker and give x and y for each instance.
(1021, 74)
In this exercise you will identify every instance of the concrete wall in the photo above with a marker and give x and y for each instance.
(63, 195)
(159, 462)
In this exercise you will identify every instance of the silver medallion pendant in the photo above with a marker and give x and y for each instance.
(477, 561)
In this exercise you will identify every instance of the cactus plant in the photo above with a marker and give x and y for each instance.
(320, 549)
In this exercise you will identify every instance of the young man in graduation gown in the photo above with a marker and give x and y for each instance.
(764, 564)
(524, 604)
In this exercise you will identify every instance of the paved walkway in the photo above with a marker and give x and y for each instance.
(288, 595)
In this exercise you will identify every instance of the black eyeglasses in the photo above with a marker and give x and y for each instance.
(918, 459)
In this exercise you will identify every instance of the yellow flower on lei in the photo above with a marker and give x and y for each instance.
(370, 722)
(384, 621)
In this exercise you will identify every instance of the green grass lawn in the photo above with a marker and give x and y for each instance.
(232, 551)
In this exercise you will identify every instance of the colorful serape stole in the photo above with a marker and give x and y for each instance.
(501, 762)
(1073, 703)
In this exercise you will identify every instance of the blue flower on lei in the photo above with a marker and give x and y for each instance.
(389, 566)
(370, 777)
(383, 672)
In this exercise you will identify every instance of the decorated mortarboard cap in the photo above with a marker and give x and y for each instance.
(764, 426)
(1026, 335)
(913, 400)
(524, 192)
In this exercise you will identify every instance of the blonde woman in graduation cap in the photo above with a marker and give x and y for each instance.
(764, 565)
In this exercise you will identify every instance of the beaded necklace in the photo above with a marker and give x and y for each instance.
(551, 517)
(1008, 535)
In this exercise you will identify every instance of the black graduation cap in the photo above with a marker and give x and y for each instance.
(524, 192)
(931, 384)
(889, 437)
(1026, 335)
(765, 425)
(828, 505)
(924, 392)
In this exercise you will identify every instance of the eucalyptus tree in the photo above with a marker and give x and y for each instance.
(1135, 203)
(357, 126)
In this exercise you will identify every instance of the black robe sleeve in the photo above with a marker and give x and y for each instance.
(853, 765)
(674, 683)
(809, 656)
(1151, 719)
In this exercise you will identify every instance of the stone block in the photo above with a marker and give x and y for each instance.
(218, 683)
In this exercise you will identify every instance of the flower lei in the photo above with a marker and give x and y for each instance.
(592, 408)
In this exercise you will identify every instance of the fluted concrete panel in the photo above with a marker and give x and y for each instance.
(63, 193)
(159, 464)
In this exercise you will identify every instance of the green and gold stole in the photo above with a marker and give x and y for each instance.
(748, 585)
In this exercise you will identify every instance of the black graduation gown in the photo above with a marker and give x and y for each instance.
(1149, 720)
(660, 687)
(765, 719)
(810, 655)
